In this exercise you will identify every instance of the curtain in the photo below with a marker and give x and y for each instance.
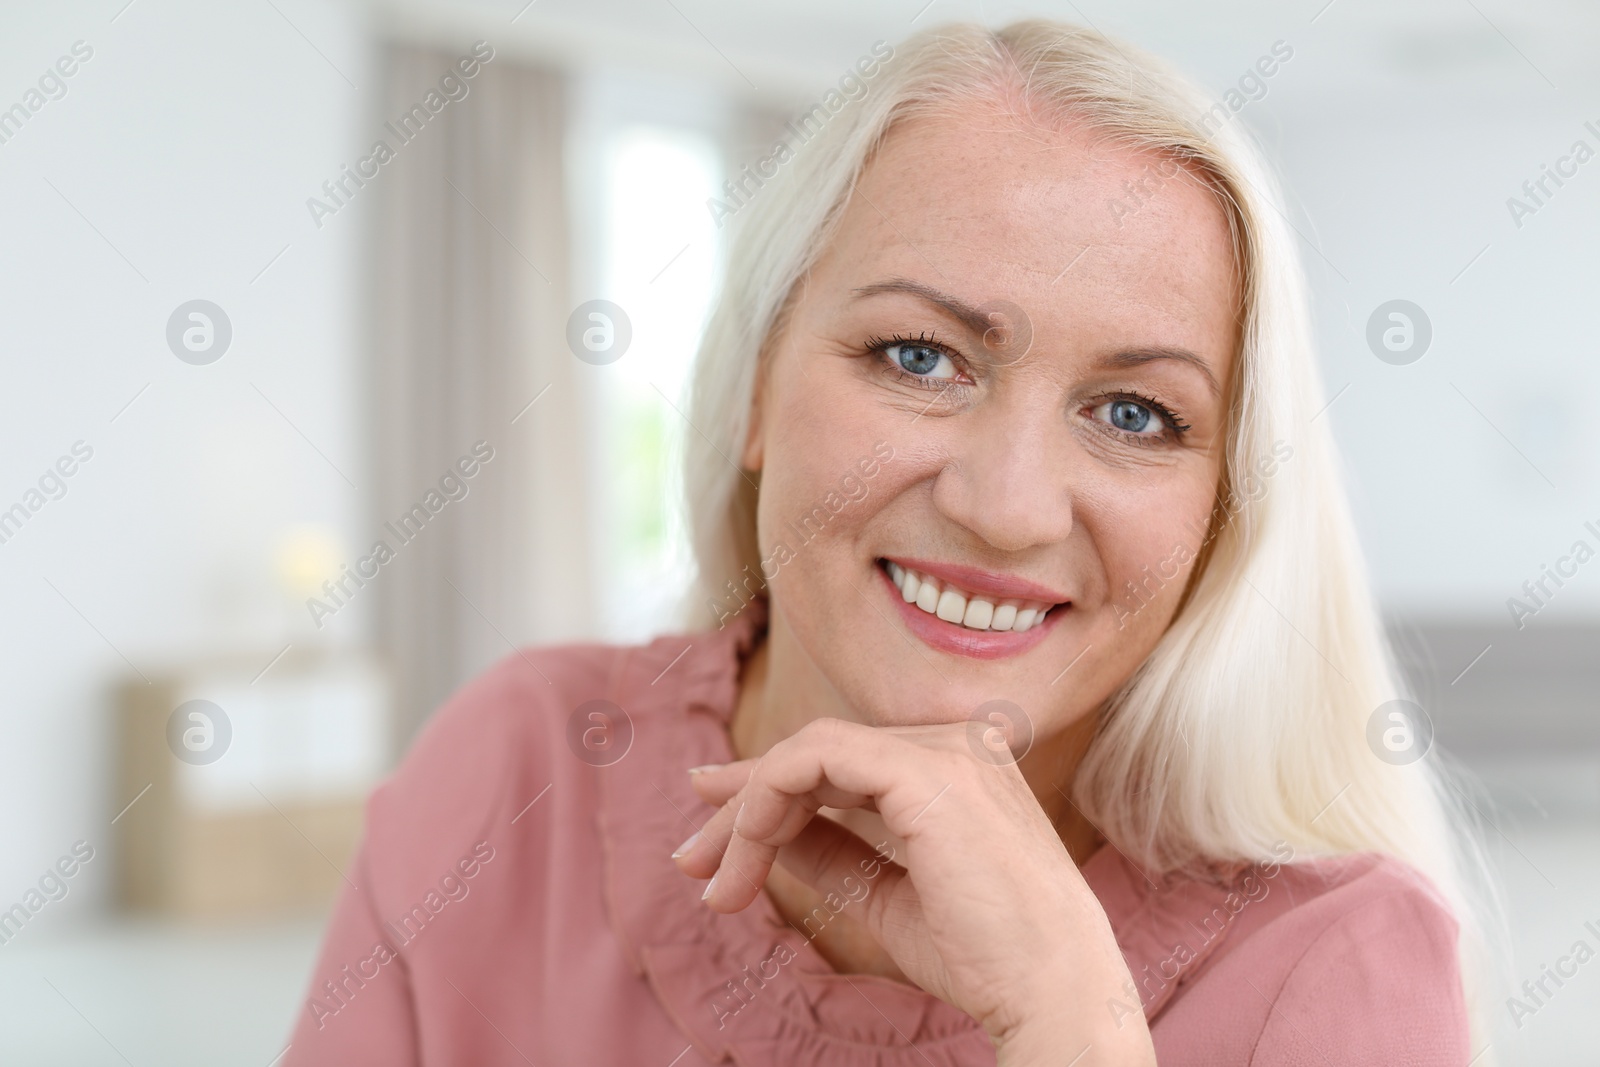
(468, 309)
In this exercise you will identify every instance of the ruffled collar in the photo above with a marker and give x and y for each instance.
(749, 986)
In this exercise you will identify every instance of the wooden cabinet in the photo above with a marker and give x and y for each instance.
(245, 794)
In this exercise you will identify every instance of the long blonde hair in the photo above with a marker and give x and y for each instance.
(1247, 724)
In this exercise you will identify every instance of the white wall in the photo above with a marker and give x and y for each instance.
(1454, 503)
(190, 141)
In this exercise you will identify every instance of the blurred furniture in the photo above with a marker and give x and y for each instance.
(269, 824)
(1495, 691)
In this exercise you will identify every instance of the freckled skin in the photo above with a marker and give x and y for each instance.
(1015, 467)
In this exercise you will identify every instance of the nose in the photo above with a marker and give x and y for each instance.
(1008, 479)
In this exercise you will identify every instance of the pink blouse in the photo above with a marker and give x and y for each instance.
(514, 902)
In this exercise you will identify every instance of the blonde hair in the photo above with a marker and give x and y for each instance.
(1247, 724)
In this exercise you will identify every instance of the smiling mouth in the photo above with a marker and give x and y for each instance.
(972, 611)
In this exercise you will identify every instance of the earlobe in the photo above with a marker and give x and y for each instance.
(750, 458)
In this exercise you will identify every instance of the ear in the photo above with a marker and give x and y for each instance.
(754, 451)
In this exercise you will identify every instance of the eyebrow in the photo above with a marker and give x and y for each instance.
(974, 319)
(1138, 357)
(978, 322)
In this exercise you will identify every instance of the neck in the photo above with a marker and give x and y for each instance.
(781, 689)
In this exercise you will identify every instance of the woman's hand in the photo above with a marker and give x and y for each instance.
(988, 912)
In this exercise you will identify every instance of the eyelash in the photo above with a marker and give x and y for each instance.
(1168, 416)
(880, 345)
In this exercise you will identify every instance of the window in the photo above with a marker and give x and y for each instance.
(660, 259)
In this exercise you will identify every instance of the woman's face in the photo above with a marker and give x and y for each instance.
(1007, 375)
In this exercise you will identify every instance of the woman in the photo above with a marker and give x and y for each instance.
(1034, 724)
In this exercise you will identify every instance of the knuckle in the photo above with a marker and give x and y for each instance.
(826, 730)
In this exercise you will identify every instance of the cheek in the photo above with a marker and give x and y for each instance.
(1148, 543)
(813, 492)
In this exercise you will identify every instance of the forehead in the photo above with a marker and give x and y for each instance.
(1088, 237)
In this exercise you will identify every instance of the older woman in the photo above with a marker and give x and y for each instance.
(1028, 721)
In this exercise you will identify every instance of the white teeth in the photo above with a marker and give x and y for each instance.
(953, 605)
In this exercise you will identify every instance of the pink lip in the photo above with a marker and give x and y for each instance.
(960, 641)
(984, 583)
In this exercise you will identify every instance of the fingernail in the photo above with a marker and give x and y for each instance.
(683, 849)
(703, 768)
(709, 886)
(737, 816)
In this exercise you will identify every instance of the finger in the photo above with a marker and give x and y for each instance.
(700, 856)
(829, 762)
(746, 863)
(706, 852)
(816, 766)
(717, 783)
(845, 871)
(844, 765)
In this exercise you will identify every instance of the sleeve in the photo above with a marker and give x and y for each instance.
(358, 1008)
(367, 1000)
(1380, 985)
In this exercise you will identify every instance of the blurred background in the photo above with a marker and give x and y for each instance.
(243, 346)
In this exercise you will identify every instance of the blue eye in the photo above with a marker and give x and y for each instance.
(922, 360)
(1137, 418)
(1126, 415)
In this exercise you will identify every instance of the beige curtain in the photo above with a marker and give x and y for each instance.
(468, 314)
